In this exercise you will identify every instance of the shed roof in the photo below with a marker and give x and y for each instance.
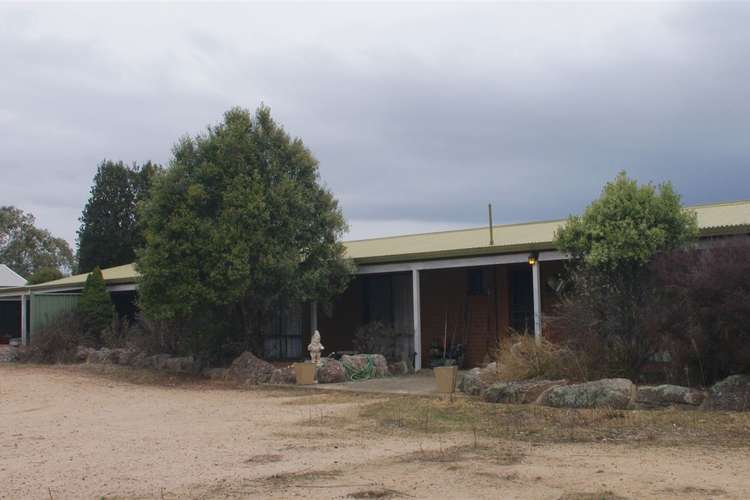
(8, 277)
(112, 276)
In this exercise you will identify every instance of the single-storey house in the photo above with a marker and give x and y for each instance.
(464, 287)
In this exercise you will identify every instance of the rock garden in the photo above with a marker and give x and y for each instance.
(732, 393)
(248, 369)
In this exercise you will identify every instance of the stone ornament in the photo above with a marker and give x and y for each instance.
(315, 347)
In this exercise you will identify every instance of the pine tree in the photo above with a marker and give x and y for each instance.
(110, 233)
(95, 306)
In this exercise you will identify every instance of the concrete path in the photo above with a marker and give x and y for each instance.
(420, 384)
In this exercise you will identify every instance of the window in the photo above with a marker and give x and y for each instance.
(284, 338)
(476, 282)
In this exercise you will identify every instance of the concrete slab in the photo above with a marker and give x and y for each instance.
(419, 384)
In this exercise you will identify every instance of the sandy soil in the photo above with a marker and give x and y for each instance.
(67, 433)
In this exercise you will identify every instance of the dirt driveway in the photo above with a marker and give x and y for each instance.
(68, 432)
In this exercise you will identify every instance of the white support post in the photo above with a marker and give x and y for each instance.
(537, 301)
(313, 317)
(24, 333)
(417, 320)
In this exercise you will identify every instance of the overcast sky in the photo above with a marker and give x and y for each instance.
(419, 115)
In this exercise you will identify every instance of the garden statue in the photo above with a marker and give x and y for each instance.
(315, 347)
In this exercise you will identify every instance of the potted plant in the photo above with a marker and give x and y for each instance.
(446, 369)
(446, 376)
(305, 373)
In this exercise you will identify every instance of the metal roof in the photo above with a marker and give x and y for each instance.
(8, 277)
(713, 220)
(112, 276)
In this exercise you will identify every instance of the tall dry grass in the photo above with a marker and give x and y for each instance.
(522, 357)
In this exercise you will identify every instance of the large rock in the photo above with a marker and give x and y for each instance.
(617, 393)
(83, 353)
(103, 355)
(488, 375)
(215, 373)
(283, 376)
(732, 393)
(398, 368)
(140, 360)
(184, 364)
(359, 364)
(158, 361)
(519, 392)
(8, 354)
(656, 396)
(249, 369)
(123, 355)
(469, 382)
(331, 371)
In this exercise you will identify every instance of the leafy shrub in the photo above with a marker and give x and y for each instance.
(705, 310)
(55, 342)
(95, 307)
(521, 357)
(377, 338)
(154, 336)
(118, 333)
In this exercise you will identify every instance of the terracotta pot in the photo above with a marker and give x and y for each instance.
(446, 378)
(305, 373)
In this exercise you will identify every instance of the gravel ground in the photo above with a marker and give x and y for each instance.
(69, 432)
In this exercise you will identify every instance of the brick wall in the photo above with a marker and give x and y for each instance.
(472, 320)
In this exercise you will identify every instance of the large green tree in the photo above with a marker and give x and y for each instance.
(110, 231)
(239, 226)
(629, 224)
(26, 248)
(44, 275)
(612, 246)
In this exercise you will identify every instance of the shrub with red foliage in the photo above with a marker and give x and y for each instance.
(686, 321)
(705, 310)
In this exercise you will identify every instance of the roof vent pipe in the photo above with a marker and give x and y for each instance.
(489, 210)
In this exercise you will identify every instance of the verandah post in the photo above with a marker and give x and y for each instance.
(537, 301)
(417, 320)
(24, 332)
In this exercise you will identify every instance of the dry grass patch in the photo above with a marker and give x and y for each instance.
(601, 495)
(308, 397)
(541, 424)
(294, 478)
(693, 491)
(130, 375)
(264, 459)
(456, 454)
(377, 493)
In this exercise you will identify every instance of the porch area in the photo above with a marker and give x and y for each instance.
(460, 306)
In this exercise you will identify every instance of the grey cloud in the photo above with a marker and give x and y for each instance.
(418, 114)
